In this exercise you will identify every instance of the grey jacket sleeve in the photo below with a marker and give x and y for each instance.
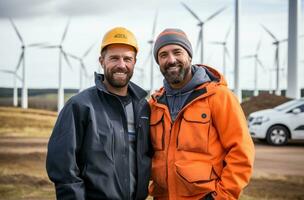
(63, 146)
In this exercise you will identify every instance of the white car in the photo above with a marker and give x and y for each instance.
(279, 124)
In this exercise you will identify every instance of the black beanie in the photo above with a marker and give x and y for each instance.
(172, 36)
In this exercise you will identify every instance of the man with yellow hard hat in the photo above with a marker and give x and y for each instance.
(100, 146)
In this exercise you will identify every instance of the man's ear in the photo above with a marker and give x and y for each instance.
(101, 61)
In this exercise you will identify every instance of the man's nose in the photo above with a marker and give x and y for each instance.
(171, 58)
(121, 62)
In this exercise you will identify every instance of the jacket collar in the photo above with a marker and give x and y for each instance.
(205, 89)
(138, 92)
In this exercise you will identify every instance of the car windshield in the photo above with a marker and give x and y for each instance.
(286, 105)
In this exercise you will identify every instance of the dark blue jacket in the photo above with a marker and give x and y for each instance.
(88, 151)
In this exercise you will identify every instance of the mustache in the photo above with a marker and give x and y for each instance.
(174, 64)
(119, 70)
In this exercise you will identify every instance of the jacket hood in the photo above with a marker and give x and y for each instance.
(135, 89)
(215, 76)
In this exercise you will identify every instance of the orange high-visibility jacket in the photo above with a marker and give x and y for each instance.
(207, 148)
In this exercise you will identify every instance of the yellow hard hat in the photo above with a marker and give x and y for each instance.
(119, 35)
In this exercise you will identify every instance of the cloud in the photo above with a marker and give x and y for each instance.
(23, 8)
(33, 8)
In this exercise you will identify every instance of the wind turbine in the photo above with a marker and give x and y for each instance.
(15, 90)
(277, 58)
(200, 24)
(65, 56)
(24, 94)
(257, 62)
(82, 68)
(225, 50)
(150, 56)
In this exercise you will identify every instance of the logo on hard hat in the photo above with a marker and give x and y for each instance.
(119, 35)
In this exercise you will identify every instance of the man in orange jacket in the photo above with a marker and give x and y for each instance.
(202, 147)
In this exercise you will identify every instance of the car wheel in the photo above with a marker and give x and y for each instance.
(277, 135)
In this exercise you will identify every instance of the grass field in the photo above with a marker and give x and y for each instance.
(26, 123)
(41, 101)
(23, 140)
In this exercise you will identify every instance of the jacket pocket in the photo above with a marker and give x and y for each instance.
(157, 131)
(195, 177)
(194, 130)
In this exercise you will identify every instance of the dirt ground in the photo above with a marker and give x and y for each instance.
(285, 160)
(22, 165)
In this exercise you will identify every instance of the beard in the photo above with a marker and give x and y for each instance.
(118, 78)
(175, 73)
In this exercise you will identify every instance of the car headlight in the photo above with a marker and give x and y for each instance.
(259, 120)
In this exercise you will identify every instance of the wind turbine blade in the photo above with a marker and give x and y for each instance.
(199, 40)
(228, 32)
(260, 63)
(215, 14)
(88, 50)
(227, 53)
(259, 45)
(269, 32)
(277, 54)
(38, 44)
(65, 31)
(16, 30)
(192, 13)
(276, 58)
(216, 43)
(49, 46)
(7, 71)
(72, 56)
(84, 69)
(248, 56)
(66, 59)
(19, 61)
(82, 66)
(18, 77)
(283, 40)
(154, 25)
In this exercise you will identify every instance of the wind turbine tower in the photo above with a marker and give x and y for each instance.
(150, 56)
(257, 62)
(277, 43)
(62, 52)
(225, 50)
(15, 90)
(24, 94)
(294, 16)
(237, 89)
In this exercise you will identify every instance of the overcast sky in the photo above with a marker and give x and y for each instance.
(45, 20)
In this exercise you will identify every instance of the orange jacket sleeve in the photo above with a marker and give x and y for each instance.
(230, 122)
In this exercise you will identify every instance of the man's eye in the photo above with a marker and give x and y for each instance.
(128, 59)
(163, 55)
